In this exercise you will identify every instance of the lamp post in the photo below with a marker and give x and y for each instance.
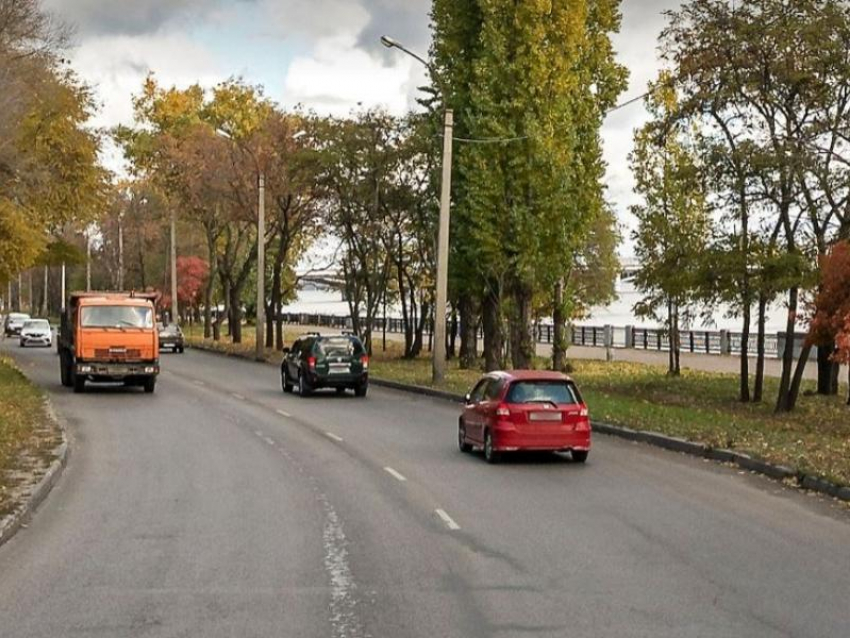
(438, 353)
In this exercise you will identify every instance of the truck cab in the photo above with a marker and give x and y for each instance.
(109, 337)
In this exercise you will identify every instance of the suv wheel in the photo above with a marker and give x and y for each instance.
(304, 388)
(361, 390)
(284, 382)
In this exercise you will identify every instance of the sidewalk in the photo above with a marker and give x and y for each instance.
(702, 362)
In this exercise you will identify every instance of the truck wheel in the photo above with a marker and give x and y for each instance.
(150, 385)
(65, 369)
(79, 384)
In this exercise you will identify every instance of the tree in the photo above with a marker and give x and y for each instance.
(673, 221)
(529, 195)
(770, 77)
(831, 308)
(49, 171)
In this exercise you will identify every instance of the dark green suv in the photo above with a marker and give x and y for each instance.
(325, 361)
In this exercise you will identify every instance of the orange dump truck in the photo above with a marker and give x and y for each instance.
(109, 337)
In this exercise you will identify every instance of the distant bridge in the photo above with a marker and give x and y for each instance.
(332, 279)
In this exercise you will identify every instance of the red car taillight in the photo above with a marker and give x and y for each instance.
(503, 410)
(311, 362)
(583, 424)
(365, 361)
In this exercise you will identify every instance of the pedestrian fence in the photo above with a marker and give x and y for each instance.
(723, 342)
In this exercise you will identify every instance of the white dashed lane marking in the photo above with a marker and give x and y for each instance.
(448, 520)
(283, 414)
(396, 475)
(334, 437)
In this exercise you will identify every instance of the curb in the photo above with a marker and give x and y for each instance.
(13, 522)
(417, 389)
(675, 444)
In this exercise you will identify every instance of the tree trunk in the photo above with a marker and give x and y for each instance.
(492, 331)
(758, 392)
(794, 391)
(419, 338)
(676, 342)
(451, 337)
(788, 353)
(826, 367)
(522, 345)
(468, 332)
(235, 315)
(744, 377)
(559, 338)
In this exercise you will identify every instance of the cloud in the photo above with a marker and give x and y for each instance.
(132, 17)
(338, 75)
(117, 64)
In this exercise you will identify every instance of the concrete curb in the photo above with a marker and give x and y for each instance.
(416, 389)
(11, 523)
(675, 444)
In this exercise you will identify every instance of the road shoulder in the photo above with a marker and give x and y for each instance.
(35, 466)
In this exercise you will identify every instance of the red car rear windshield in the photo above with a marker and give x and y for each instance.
(558, 392)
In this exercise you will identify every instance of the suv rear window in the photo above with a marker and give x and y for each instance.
(339, 346)
(559, 392)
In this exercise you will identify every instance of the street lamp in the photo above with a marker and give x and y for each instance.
(438, 358)
(261, 246)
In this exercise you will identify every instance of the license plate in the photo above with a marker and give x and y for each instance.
(339, 369)
(545, 416)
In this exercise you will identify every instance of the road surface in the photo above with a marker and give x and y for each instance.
(219, 507)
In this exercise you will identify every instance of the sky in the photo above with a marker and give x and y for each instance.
(321, 54)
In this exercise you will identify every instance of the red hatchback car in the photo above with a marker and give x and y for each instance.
(525, 410)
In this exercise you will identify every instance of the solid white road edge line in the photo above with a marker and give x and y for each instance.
(447, 519)
(395, 474)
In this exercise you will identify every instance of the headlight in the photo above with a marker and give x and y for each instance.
(85, 369)
(150, 370)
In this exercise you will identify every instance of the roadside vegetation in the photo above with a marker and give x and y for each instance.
(27, 435)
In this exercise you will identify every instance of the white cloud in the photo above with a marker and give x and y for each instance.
(117, 65)
(338, 76)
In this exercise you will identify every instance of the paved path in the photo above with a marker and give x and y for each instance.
(219, 507)
(704, 362)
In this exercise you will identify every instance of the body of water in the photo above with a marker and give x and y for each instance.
(618, 313)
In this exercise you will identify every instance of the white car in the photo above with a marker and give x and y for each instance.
(36, 332)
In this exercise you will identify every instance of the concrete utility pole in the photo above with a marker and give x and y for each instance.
(174, 309)
(45, 310)
(438, 352)
(121, 251)
(88, 262)
(31, 300)
(20, 306)
(438, 364)
(261, 267)
(62, 302)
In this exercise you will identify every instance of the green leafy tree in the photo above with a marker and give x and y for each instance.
(673, 221)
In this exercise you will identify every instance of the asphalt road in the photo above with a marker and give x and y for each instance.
(220, 507)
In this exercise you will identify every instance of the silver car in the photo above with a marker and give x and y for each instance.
(36, 332)
(14, 323)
